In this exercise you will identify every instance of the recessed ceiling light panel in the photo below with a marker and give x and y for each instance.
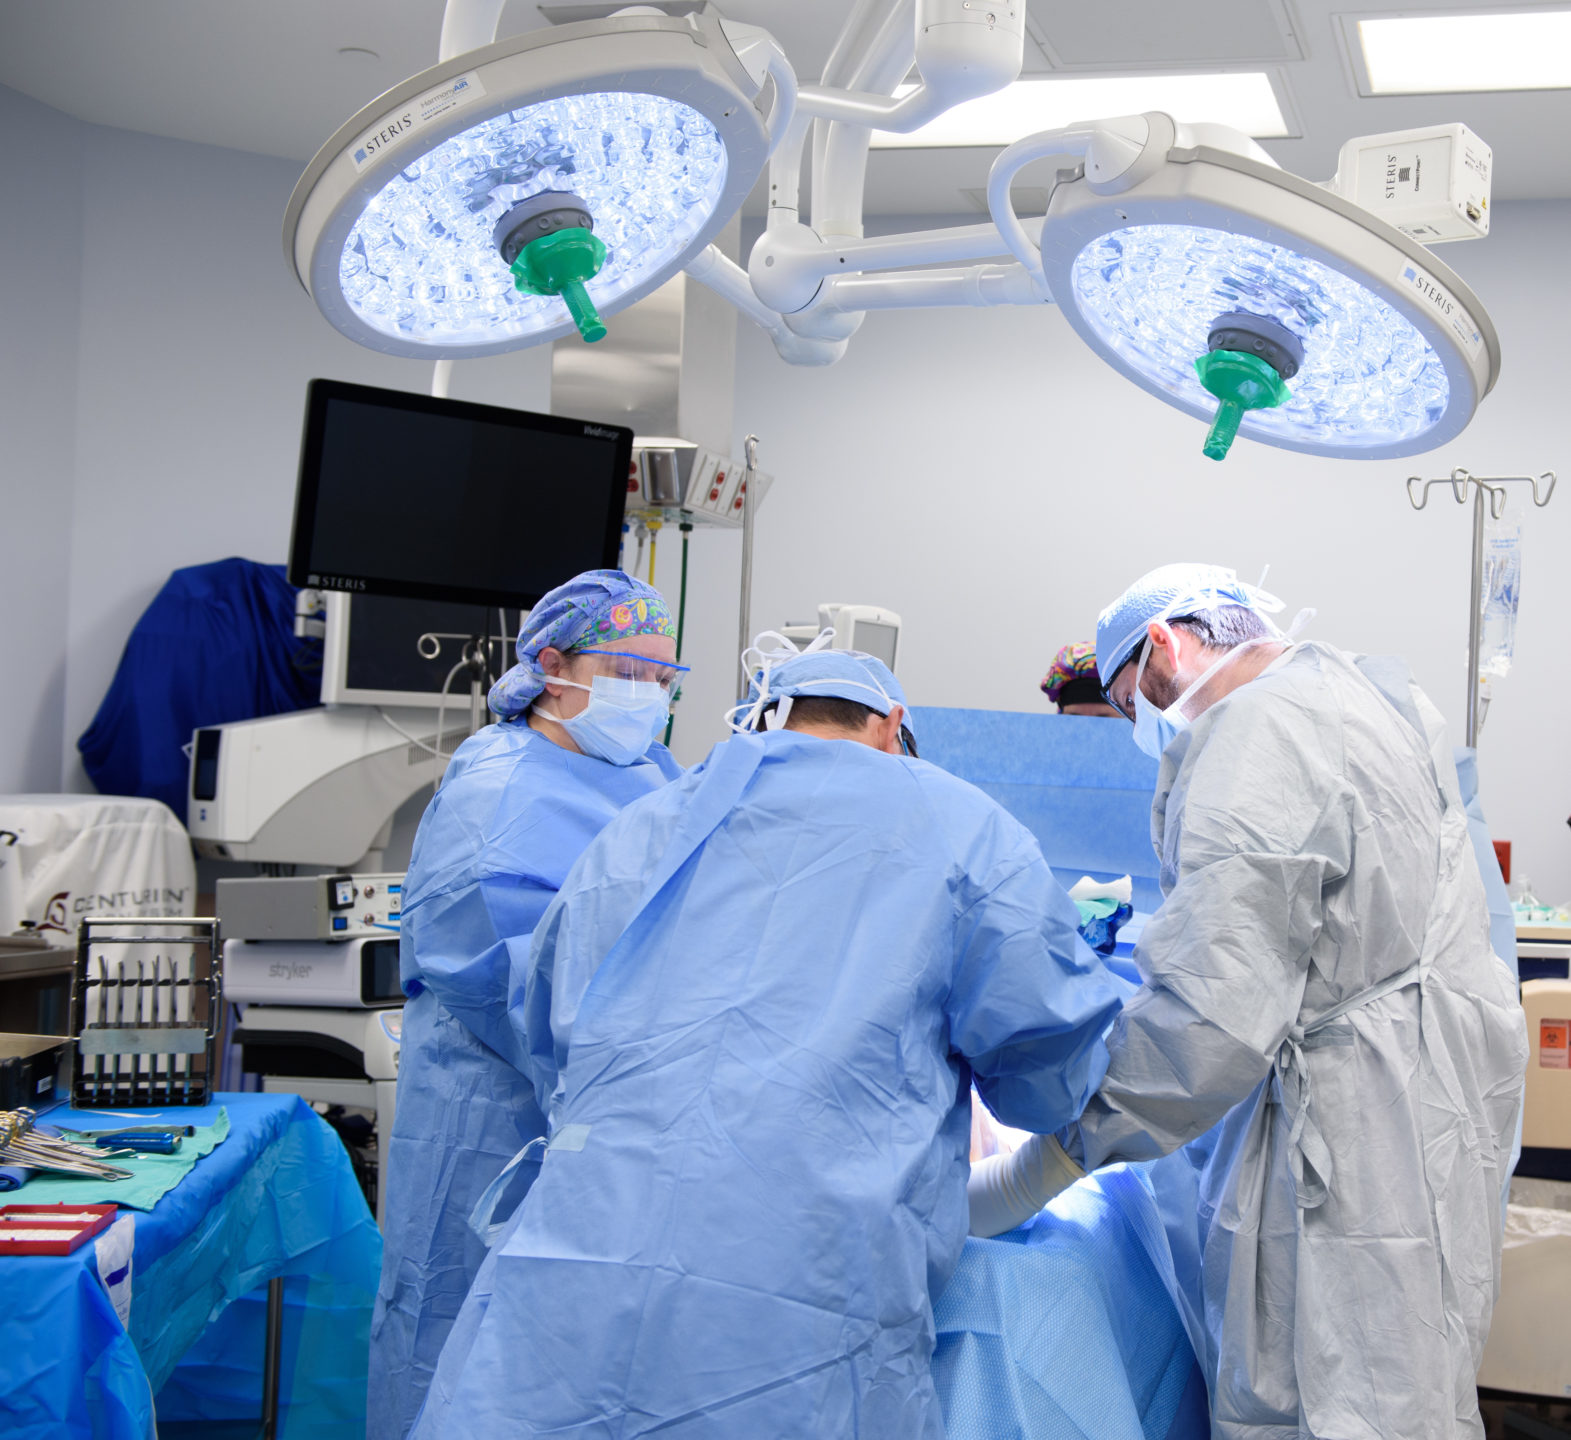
(649, 122)
(1460, 54)
(1244, 100)
(1396, 350)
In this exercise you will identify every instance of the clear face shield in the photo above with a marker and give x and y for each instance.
(618, 665)
(629, 704)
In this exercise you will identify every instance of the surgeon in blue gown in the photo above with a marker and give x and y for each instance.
(520, 801)
(755, 1009)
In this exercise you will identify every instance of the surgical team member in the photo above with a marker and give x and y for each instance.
(756, 1006)
(520, 801)
(1073, 684)
(1320, 987)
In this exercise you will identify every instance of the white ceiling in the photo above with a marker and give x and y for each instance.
(280, 76)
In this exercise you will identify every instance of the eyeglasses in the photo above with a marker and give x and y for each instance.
(624, 666)
(1126, 708)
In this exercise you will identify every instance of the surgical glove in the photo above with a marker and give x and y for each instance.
(1007, 1190)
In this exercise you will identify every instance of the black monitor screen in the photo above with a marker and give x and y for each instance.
(434, 499)
(383, 650)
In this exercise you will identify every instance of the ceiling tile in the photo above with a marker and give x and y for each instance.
(1132, 34)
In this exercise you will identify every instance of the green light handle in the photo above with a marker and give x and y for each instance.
(558, 264)
(1223, 431)
(1242, 383)
(583, 311)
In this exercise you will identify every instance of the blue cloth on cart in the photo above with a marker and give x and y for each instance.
(278, 1197)
(152, 1176)
(1076, 782)
(1064, 1329)
(216, 644)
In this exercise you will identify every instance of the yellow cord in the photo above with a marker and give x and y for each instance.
(654, 527)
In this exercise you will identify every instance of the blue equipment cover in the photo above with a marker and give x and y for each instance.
(1065, 1330)
(1076, 782)
(278, 1197)
(216, 644)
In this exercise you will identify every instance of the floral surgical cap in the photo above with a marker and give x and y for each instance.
(1073, 671)
(591, 609)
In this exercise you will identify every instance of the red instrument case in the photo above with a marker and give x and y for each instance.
(50, 1229)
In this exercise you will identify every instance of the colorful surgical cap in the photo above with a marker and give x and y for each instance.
(1073, 679)
(590, 610)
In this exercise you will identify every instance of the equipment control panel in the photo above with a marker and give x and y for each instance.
(310, 907)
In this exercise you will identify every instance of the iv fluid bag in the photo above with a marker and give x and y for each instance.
(1501, 595)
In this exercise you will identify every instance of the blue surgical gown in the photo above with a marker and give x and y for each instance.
(756, 1008)
(513, 814)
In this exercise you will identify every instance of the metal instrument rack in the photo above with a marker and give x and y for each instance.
(146, 1010)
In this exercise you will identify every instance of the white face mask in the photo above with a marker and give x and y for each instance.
(621, 720)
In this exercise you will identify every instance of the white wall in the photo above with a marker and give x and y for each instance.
(40, 256)
(984, 475)
(196, 346)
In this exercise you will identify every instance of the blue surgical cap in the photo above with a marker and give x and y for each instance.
(1173, 592)
(596, 607)
(838, 674)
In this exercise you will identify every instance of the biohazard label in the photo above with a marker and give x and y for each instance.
(1554, 1044)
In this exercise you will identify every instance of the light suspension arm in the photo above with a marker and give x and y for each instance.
(876, 64)
(789, 265)
(716, 271)
(759, 53)
(1118, 154)
(962, 50)
(468, 25)
(975, 286)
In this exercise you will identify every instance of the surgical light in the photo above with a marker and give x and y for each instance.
(646, 125)
(540, 183)
(1381, 350)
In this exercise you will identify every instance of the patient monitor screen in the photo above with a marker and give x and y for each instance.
(436, 499)
(876, 640)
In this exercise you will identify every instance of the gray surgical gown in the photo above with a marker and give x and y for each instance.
(1320, 988)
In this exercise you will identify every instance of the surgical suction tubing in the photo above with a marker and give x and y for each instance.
(1490, 491)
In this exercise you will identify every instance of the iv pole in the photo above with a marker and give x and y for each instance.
(745, 605)
(1490, 490)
